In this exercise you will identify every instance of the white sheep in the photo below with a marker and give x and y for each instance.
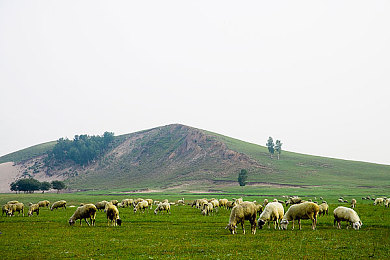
(293, 200)
(19, 207)
(84, 212)
(273, 211)
(241, 212)
(387, 202)
(346, 214)
(353, 203)
(142, 205)
(307, 210)
(163, 206)
(324, 208)
(44, 203)
(112, 213)
(207, 209)
(101, 205)
(181, 202)
(223, 203)
(33, 208)
(58, 204)
(150, 203)
(379, 201)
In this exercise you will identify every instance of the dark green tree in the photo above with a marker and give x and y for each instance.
(26, 185)
(58, 185)
(45, 186)
(271, 146)
(278, 148)
(242, 176)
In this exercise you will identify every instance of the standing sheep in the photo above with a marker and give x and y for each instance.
(346, 214)
(244, 211)
(230, 204)
(101, 205)
(222, 203)
(19, 207)
(387, 202)
(353, 203)
(324, 208)
(142, 205)
(58, 204)
(378, 201)
(84, 212)
(112, 213)
(207, 209)
(274, 211)
(307, 210)
(33, 208)
(44, 203)
(293, 200)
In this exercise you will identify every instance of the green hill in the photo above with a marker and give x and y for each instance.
(186, 159)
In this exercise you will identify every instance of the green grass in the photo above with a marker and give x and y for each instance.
(184, 234)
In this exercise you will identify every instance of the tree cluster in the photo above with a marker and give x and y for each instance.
(83, 149)
(274, 147)
(29, 185)
(242, 176)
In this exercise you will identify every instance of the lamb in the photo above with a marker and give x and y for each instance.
(84, 212)
(346, 214)
(33, 208)
(142, 205)
(163, 206)
(241, 212)
(353, 203)
(207, 209)
(324, 208)
(58, 204)
(112, 213)
(307, 210)
(101, 205)
(379, 201)
(19, 207)
(44, 203)
(272, 212)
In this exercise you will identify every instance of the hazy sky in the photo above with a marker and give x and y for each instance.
(314, 74)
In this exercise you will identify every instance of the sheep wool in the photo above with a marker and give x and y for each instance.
(273, 211)
(58, 204)
(112, 213)
(324, 208)
(348, 215)
(33, 208)
(163, 207)
(241, 212)
(307, 210)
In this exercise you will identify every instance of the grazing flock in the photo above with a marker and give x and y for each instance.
(267, 212)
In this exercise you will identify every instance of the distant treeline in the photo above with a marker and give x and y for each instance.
(83, 149)
(30, 185)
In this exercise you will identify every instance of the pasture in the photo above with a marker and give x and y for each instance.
(184, 234)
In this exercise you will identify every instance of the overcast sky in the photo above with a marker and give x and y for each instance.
(314, 74)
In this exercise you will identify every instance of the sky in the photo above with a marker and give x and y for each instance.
(313, 74)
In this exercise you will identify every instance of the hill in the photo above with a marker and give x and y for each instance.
(187, 159)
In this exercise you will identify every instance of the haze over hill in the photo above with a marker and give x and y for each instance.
(185, 158)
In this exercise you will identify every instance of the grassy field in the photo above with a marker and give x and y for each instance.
(184, 234)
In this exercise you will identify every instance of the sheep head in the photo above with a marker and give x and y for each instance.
(260, 223)
(284, 224)
(357, 225)
(232, 228)
(71, 222)
(119, 222)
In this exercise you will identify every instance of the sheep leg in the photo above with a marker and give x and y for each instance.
(87, 221)
(243, 228)
(293, 224)
(299, 222)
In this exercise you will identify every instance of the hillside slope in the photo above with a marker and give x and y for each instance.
(186, 158)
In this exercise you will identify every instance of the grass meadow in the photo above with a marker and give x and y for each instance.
(184, 234)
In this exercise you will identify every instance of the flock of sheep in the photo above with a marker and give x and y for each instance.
(268, 212)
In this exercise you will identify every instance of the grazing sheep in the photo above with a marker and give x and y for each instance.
(324, 208)
(379, 201)
(142, 205)
(230, 204)
(265, 202)
(112, 213)
(181, 202)
(114, 202)
(353, 203)
(200, 203)
(223, 203)
(84, 212)
(5, 209)
(215, 203)
(101, 205)
(33, 208)
(307, 210)
(58, 204)
(44, 203)
(126, 203)
(346, 214)
(241, 212)
(150, 203)
(272, 212)
(239, 201)
(340, 200)
(163, 206)
(387, 202)
(207, 209)
(259, 208)
(293, 200)
(19, 207)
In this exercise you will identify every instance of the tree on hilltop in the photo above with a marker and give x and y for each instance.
(271, 146)
(278, 148)
(242, 176)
